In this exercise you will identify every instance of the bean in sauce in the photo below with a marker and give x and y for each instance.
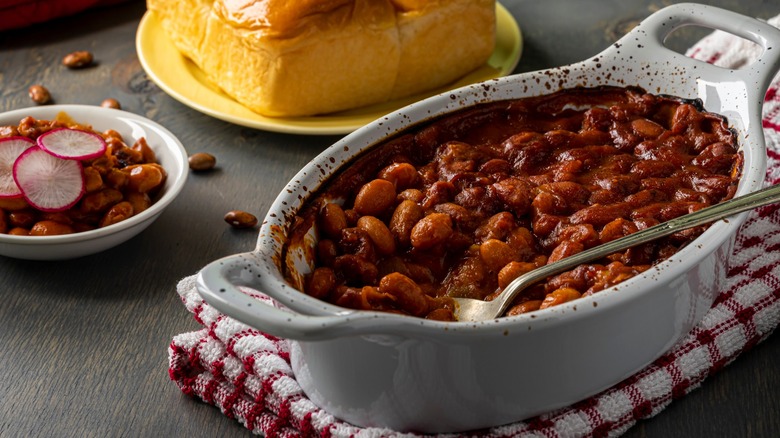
(461, 205)
(119, 184)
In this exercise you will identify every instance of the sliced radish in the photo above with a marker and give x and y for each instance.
(48, 183)
(72, 144)
(10, 149)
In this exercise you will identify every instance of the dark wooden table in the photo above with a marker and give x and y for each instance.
(83, 343)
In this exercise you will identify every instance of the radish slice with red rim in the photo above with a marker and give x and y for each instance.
(10, 149)
(48, 183)
(72, 144)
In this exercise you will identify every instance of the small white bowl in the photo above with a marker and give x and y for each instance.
(170, 154)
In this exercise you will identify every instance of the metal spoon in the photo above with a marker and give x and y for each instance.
(469, 309)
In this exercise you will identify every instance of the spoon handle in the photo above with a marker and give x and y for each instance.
(733, 206)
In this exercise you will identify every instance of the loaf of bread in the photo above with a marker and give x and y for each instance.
(307, 57)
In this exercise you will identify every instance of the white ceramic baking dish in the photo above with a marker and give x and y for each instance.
(410, 374)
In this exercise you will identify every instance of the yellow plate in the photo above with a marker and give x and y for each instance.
(185, 82)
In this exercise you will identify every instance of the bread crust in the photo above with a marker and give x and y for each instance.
(307, 57)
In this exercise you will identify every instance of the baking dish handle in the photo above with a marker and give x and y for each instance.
(654, 30)
(218, 283)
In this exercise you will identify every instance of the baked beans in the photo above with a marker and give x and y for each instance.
(119, 184)
(462, 205)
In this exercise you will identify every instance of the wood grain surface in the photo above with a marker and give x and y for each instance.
(83, 343)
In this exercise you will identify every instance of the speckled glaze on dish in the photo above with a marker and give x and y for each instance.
(170, 154)
(410, 374)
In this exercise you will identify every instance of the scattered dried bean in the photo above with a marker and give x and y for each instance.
(240, 219)
(39, 94)
(201, 161)
(77, 59)
(111, 103)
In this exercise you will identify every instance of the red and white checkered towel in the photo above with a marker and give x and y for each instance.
(247, 374)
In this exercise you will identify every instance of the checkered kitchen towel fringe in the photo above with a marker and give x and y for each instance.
(247, 374)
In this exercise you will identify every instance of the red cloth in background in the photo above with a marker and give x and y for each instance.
(15, 14)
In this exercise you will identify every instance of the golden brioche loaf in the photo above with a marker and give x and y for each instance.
(306, 57)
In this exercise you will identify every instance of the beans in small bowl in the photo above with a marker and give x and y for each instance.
(143, 169)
